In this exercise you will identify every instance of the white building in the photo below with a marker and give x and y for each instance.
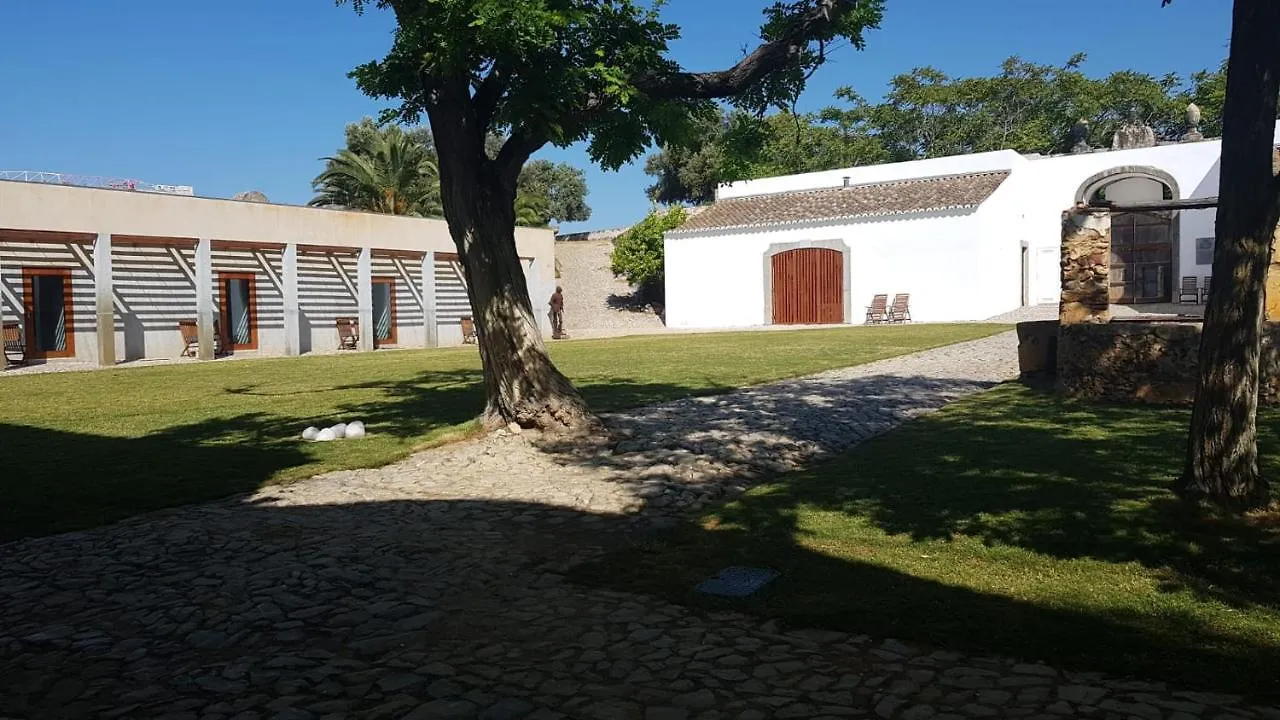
(968, 237)
(101, 275)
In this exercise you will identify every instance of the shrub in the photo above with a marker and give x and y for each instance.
(637, 253)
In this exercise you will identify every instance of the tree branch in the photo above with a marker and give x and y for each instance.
(515, 152)
(767, 58)
(488, 93)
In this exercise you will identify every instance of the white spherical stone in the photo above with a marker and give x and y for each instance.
(339, 430)
(326, 435)
(355, 430)
(310, 433)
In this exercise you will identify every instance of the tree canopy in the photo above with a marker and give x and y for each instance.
(538, 72)
(1028, 107)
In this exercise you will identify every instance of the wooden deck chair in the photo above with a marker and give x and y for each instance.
(190, 330)
(348, 333)
(15, 349)
(900, 311)
(468, 330)
(878, 310)
(1204, 289)
(1190, 288)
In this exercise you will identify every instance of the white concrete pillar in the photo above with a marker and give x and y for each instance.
(104, 302)
(292, 318)
(538, 299)
(364, 297)
(430, 327)
(204, 296)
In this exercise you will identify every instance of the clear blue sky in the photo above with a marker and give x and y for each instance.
(231, 96)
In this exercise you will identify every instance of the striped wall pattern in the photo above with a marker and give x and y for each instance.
(326, 292)
(452, 303)
(74, 257)
(406, 273)
(265, 265)
(154, 289)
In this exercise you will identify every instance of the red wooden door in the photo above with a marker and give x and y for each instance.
(808, 287)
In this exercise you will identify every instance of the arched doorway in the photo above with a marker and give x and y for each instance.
(1143, 244)
(808, 286)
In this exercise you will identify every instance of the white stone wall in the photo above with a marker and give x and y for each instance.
(942, 259)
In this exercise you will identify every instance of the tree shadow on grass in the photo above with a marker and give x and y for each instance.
(387, 587)
(57, 481)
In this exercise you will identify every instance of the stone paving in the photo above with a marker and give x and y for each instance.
(433, 588)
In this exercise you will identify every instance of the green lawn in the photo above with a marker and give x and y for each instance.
(81, 449)
(1009, 523)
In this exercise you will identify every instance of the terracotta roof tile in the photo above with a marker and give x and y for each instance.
(883, 198)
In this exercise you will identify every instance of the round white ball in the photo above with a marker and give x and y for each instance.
(355, 430)
(310, 433)
(326, 435)
(339, 430)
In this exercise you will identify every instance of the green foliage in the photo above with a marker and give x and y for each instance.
(549, 191)
(388, 172)
(560, 188)
(637, 253)
(1027, 107)
(563, 71)
(531, 210)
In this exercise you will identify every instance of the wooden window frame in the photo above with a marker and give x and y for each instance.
(393, 339)
(224, 309)
(29, 274)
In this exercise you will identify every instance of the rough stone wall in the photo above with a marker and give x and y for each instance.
(1152, 362)
(595, 300)
(1086, 266)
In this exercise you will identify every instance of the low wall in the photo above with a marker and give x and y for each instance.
(1152, 362)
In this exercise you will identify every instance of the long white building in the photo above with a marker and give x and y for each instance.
(968, 237)
(102, 276)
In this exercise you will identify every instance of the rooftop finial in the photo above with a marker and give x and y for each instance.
(1193, 124)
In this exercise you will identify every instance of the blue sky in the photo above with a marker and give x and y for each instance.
(233, 96)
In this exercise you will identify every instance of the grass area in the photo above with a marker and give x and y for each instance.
(81, 449)
(1012, 523)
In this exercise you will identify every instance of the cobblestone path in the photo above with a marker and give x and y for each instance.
(433, 589)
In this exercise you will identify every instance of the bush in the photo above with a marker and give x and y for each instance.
(637, 253)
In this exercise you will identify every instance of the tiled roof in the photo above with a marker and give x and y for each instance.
(884, 198)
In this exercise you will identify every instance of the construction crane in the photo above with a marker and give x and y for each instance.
(53, 178)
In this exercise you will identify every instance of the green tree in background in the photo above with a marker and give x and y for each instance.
(539, 72)
(1027, 107)
(637, 253)
(561, 188)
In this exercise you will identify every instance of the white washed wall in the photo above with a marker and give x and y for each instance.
(718, 281)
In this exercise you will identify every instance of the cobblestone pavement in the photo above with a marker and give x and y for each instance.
(433, 588)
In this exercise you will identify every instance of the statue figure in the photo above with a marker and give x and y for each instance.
(1133, 133)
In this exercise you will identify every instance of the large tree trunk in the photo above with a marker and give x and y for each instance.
(522, 385)
(1222, 452)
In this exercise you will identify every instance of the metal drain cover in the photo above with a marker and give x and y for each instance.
(736, 582)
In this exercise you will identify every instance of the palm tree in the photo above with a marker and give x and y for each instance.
(396, 176)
